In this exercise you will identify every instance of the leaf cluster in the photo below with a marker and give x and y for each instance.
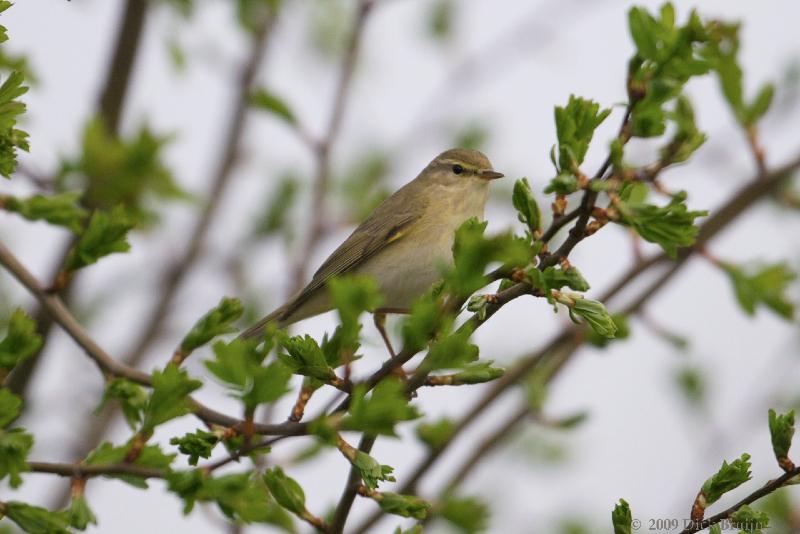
(62, 209)
(239, 365)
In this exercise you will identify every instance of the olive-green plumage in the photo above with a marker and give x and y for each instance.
(404, 241)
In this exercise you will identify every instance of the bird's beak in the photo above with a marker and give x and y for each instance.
(489, 174)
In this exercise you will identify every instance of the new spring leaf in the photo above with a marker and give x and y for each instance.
(106, 234)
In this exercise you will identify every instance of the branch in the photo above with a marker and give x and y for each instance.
(177, 272)
(570, 338)
(88, 471)
(111, 367)
(110, 107)
(325, 144)
(350, 489)
(764, 490)
(116, 85)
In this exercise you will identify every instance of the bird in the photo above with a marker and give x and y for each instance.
(403, 243)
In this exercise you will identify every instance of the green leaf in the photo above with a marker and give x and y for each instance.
(687, 138)
(10, 406)
(121, 171)
(556, 278)
(721, 51)
(760, 104)
(240, 496)
(11, 138)
(467, 514)
(477, 373)
(15, 445)
(766, 286)
(364, 184)
(402, 505)
(286, 491)
(80, 515)
(371, 471)
(644, 30)
(451, 351)
(473, 252)
(526, 206)
(425, 319)
(275, 216)
(196, 445)
(151, 456)
(132, 398)
(305, 357)
(351, 296)
(169, 399)
(621, 518)
(623, 332)
(20, 342)
(386, 406)
(667, 56)
(575, 126)
(36, 520)
(592, 311)
(781, 430)
(106, 234)
(563, 185)
(692, 384)
(440, 20)
(436, 434)
(238, 364)
(729, 477)
(270, 102)
(61, 209)
(217, 321)
(671, 226)
(749, 521)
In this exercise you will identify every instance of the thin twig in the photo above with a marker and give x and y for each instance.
(110, 107)
(87, 471)
(350, 489)
(764, 490)
(569, 338)
(324, 146)
(176, 273)
(108, 365)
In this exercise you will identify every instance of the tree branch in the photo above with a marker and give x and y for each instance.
(111, 367)
(350, 489)
(325, 144)
(177, 271)
(110, 107)
(764, 490)
(570, 338)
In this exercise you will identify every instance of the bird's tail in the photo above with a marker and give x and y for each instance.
(258, 328)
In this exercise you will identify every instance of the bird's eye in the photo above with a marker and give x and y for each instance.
(458, 169)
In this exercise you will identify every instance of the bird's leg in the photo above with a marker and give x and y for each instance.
(380, 323)
(379, 316)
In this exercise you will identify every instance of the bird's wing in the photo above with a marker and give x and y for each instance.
(386, 225)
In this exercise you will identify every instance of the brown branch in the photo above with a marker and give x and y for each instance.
(111, 104)
(111, 367)
(569, 339)
(87, 471)
(176, 273)
(764, 490)
(350, 489)
(116, 86)
(324, 146)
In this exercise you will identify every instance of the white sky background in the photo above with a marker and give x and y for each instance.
(641, 441)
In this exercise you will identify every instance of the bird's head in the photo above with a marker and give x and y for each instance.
(460, 167)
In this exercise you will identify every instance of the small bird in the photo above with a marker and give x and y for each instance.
(403, 243)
